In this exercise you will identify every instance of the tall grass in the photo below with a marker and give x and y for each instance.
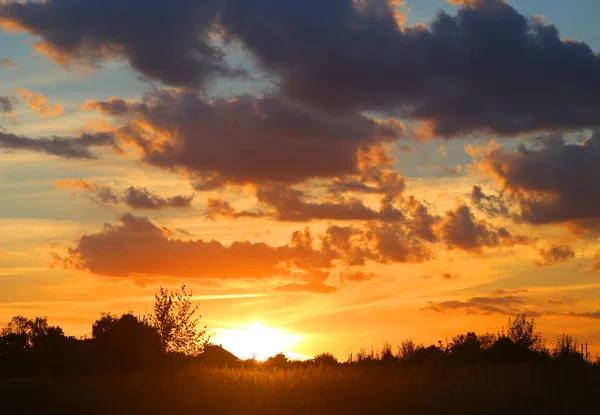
(497, 389)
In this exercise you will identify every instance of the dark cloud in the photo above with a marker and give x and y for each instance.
(316, 284)
(142, 198)
(246, 139)
(507, 305)
(461, 230)
(7, 104)
(137, 198)
(74, 148)
(488, 68)
(448, 276)
(166, 40)
(220, 208)
(372, 180)
(397, 243)
(555, 255)
(291, 205)
(504, 304)
(355, 276)
(553, 182)
(492, 205)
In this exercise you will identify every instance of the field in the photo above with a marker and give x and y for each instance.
(498, 389)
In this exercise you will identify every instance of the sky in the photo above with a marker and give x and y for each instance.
(322, 175)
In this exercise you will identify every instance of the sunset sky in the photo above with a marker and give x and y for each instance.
(326, 175)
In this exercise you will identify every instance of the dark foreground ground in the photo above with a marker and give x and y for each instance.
(469, 390)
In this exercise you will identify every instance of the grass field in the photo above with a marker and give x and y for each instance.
(508, 389)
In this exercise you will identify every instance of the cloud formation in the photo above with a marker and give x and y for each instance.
(216, 208)
(555, 255)
(461, 230)
(552, 182)
(166, 40)
(137, 198)
(39, 104)
(505, 305)
(66, 147)
(7, 104)
(315, 284)
(488, 68)
(291, 205)
(138, 247)
(246, 139)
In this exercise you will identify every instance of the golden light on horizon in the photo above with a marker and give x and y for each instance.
(259, 341)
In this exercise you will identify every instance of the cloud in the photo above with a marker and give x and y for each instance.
(316, 284)
(166, 40)
(38, 104)
(7, 104)
(371, 180)
(486, 69)
(552, 182)
(246, 139)
(505, 305)
(355, 276)
(141, 198)
(138, 247)
(476, 3)
(291, 205)
(555, 255)
(220, 208)
(133, 197)
(502, 291)
(492, 205)
(7, 63)
(499, 303)
(461, 230)
(66, 147)
(448, 276)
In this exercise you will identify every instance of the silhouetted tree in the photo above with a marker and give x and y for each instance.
(178, 325)
(466, 348)
(522, 332)
(406, 350)
(387, 355)
(125, 343)
(566, 349)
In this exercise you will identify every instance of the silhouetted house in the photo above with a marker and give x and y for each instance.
(216, 355)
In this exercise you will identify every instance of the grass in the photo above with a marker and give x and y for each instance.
(510, 389)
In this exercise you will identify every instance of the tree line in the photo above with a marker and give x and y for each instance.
(172, 337)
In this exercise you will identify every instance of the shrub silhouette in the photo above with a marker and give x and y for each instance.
(325, 359)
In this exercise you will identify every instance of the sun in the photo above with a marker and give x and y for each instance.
(258, 340)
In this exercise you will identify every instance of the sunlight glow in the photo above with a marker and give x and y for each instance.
(258, 341)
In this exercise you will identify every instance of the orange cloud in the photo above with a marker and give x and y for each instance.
(39, 104)
(555, 255)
